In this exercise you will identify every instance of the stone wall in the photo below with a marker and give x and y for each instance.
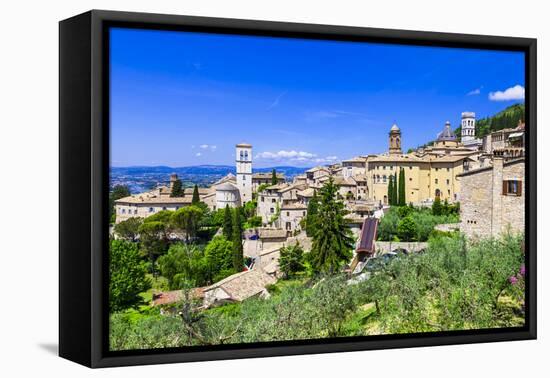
(484, 210)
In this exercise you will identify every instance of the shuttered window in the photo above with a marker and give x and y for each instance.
(511, 188)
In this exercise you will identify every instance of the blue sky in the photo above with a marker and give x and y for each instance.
(180, 98)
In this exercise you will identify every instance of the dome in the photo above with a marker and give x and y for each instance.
(447, 134)
(394, 127)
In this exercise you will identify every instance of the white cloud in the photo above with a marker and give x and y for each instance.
(293, 156)
(208, 147)
(275, 103)
(474, 92)
(198, 154)
(283, 154)
(513, 93)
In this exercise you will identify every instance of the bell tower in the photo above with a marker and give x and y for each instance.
(395, 140)
(243, 160)
(468, 127)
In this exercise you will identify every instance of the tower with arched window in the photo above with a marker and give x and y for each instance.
(395, 141)
(243, 159)
(468, 127)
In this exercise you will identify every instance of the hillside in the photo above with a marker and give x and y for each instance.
(507, 118)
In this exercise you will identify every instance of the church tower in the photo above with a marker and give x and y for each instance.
(243, 159)
(395, 140)
(468, 127)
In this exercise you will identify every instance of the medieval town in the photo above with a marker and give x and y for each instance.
(485, 176)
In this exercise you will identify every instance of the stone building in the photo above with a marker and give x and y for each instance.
(265, 178)
(272, 200)
(146, 204)
(493, 198)
(428, 175)
(468, 131)
(243, 160)
(227, 194)
(508, 143)
(231, 190)
(353, 167)
(395, 141)
(291, 215)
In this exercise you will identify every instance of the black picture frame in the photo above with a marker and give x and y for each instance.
(84, 184)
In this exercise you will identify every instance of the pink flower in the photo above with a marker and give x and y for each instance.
(513, 280)
(522, 270)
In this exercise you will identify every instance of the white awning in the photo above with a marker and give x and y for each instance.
(515, 135)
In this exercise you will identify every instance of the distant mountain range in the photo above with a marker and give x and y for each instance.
(142, 178)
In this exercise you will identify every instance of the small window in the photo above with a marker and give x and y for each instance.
(271, 210)
(448, 169)
(164, 208)
(384, 178)
(135, 211)
(123, 211)
(262, 198)
(303, 213)
(151, 209)
(511, 188)
(273, 200)
(437, 169)
(288, 213)
(436, 181)
(448, 181)
(410, 178)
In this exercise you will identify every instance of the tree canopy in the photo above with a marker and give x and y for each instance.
(128, 229)
(311, 216)
(238, 259)
(227, 223)
(187, 220)
(291, 260)
(127, 275)
(118, 192)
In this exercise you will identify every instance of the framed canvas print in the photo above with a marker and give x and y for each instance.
(234, 188)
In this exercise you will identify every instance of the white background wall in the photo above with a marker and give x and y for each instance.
(28, 162)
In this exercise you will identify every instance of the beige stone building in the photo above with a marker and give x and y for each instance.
(274, 198)
(508, 143)
(264, 178)
(493, 198)
(428, 175)
(146, 204)
(354, 167)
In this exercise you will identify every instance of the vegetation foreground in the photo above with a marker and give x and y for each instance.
(453, 285)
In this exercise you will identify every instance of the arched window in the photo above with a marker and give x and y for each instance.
(242, 155)
(246, 155)
(384, 178)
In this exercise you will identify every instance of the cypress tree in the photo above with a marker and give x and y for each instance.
(390, 191)
(227, 223)
(177, 189)
(402, 201)
(394, 194)
(333, 242)
(196, 198)
(274, 180)
(238, 260)
(311, 217)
